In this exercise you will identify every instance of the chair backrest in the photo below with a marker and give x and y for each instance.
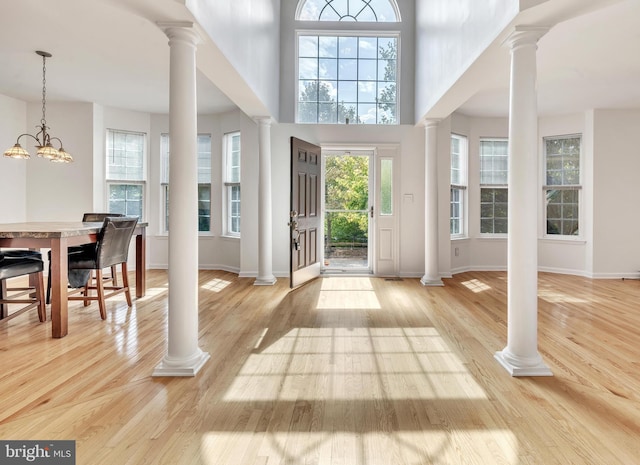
(113, 240)
(95, 217)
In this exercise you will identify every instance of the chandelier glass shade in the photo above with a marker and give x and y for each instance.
(44, 145)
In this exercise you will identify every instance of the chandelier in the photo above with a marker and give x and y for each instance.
(43, 138)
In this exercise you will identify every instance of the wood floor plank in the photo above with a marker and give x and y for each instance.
(342, 371)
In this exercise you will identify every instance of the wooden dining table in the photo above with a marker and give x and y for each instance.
(58, 236)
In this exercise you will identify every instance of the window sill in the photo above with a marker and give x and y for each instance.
(493, 237)
(459, 238)
(233, 238)
(564, 240)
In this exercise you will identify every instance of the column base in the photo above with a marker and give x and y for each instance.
(431, 282)
(518, 369)
(188, 367)
(268, 281)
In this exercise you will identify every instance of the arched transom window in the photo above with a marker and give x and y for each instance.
(348, 10)
(345, 76)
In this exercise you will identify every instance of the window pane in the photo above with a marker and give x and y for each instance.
(307, 68)
(328, 68)
(348, 69)
(386, 114)
(125, 155)
(386, 187)
(456, 211)
(563, 212)
(125, 199)
(367, 47)
(366, 92)
(233, 175)
(204, 158)
(493, 210)
(308, 46)
(204, 207)
(307, 112)
(328, 47)
(494, 162)
(348, 47)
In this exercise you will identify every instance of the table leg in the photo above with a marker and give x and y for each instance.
(141, 263)
(59, 284)
(4, 309)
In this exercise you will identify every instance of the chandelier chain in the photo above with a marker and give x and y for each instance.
(44, 89)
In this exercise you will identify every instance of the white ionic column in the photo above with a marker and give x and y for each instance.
(431, 273)
(520, 357)
(184, 357)
(265, 241)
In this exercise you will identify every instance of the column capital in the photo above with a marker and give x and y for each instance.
(525, 35)
(263, 120)
(431, 122)
(180, 30)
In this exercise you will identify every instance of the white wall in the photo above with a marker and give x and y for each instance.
(616, 172)
(450, 38)
(61, 191)
(247, 33)
(13, 173)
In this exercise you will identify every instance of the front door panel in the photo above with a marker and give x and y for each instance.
(305, 221)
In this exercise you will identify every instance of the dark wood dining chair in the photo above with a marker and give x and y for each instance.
(110, 249)
(87, 218)
(14, 264)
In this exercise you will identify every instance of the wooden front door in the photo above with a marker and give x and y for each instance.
(305, 223)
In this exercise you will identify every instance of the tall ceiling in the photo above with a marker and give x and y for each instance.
(111, 52)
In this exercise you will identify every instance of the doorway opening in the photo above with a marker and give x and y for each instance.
(347, 211)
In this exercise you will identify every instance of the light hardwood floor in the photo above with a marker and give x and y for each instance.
(342, 371)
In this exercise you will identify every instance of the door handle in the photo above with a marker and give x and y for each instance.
(293, 228)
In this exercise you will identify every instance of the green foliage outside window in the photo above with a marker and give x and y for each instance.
(346, 199)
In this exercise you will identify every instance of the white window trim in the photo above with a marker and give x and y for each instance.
(226, 208)
(464, 187)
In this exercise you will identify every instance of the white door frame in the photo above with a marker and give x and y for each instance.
(383, 247)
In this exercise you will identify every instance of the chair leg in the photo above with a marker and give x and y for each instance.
(100, 289)
(114, 275)
(125, 283)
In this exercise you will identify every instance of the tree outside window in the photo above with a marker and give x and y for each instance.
(562, 188)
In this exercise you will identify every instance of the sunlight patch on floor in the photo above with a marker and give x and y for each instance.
(347, 293)
(476, 285)
(433, 446)
(354, 363)
(153, 292)
(215, 285)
